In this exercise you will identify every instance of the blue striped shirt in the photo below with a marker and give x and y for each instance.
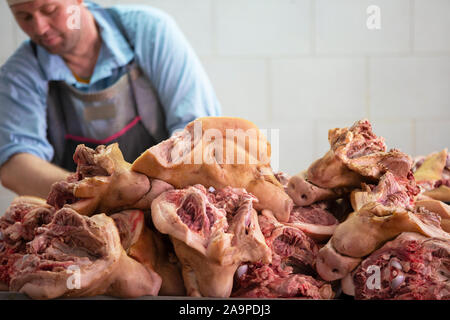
(160, 49)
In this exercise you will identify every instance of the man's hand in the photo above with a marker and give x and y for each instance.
(27, 174)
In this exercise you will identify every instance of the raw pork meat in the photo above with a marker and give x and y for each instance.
(206, 153)
(104, 183)
(213, 232)
(410, 267)
(48, 254)
(291, 274)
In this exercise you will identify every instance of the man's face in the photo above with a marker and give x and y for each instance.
(46, 23)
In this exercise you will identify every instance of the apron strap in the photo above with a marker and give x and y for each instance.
(34, 48)
(133, 93)
(133, 72)
(35, 53)
(56, 122)
(115, 16)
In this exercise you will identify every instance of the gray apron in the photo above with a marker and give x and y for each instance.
(128, 112)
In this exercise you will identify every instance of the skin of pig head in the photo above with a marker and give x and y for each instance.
(119, 188)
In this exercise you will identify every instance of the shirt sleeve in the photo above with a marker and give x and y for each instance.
(174, 69)
(23, 127)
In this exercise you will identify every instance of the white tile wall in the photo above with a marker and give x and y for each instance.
(6, 197)
(193, 17)
(305, 66)
(321, 127)
(268, 27)
(107, 3)
(432, 25)
(413, 87)
(241, 85)
(20, 35)
(7, 32)
(295, 140)
(398, 133)
(432, 135)
(310, 88)
(341, 26)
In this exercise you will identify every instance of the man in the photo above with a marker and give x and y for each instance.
(94, 76)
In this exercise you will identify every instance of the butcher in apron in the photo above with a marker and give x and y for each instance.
(130, 111)
(124, 74)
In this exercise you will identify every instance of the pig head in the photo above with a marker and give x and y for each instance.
(104, 182)
(218, 152)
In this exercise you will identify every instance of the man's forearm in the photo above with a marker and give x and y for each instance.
(26, 174)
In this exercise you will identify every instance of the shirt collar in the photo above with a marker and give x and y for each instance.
(115, 52)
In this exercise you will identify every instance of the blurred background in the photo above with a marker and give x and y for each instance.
(305, 66)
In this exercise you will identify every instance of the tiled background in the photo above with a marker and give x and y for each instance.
(304, 66)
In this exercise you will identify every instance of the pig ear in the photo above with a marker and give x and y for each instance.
(432, 167)
(111, 159)
(91, 187)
